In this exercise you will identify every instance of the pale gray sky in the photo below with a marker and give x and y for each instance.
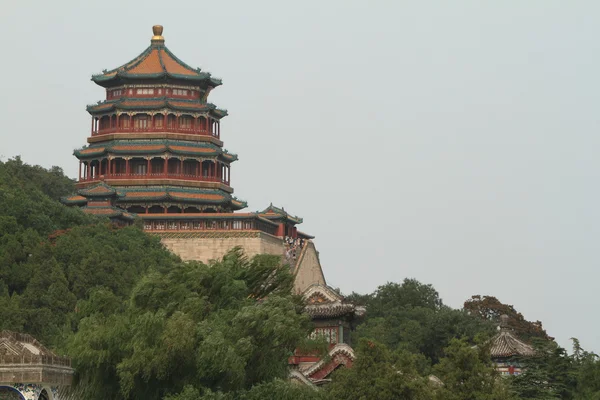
(453, 142)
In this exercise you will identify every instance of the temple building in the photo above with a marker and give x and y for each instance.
(507, 351)
(334, 319)
(155, 151)
(29, 371)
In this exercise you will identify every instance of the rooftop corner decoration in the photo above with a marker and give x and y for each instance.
(30, 371)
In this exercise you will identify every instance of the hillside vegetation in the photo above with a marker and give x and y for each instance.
(139, 323)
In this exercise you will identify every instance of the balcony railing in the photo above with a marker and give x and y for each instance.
(34, 360)
(170, 129)
(155, 223)
(158, 175)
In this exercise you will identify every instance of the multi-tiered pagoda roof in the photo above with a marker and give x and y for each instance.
(155, 145)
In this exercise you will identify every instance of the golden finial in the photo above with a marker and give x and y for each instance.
(157, 30)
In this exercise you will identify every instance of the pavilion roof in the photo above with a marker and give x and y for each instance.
(133, 104)
(277, 213)
(323, 302)
(155, 62)
(159, 146)
(506, 344)
(99, 190)
(188, 195)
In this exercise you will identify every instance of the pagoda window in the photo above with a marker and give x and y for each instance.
(189, 167)
(125, 124)
(139, 169)
(118, 166)
(236, 225)
(159, 121)
(197, 225)
(202, 124)
(116, 93)
(173, 166)
(172, 225)
(145, 91)
(157, 166)
(185, 122)
(156, 210)
(136, 209)
(140, 122)
(104, 123)
(171, 121)
(180, 92)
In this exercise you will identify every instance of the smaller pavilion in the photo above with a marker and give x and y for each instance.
(29, 371)
(507, 350)
(334, 318)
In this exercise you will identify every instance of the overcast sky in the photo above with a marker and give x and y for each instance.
(452, 142)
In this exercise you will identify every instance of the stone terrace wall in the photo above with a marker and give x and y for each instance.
(205, 246)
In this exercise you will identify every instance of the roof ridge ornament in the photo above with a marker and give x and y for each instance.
(157, 39)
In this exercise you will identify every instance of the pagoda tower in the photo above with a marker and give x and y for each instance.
(155, 142)
(155, 152)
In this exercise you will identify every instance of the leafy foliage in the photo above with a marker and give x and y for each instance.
(376, 374)
(411, 316)
(489, 308)
(139, 323)
(194, 328)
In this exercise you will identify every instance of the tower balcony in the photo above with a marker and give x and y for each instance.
(134, 176)
(146, 123)
(153, 169)
(187, 131)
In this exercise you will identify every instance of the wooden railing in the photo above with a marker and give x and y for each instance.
(34, 359)
(204, 223)
(159, 175)
(192, 131)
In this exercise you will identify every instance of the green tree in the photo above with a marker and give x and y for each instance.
(411, 316)
(468, 374)
(376, 375)
(489, 308)
(193, 328)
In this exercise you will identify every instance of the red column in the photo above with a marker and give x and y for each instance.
(181, 167)
(166, 166)
(79, 170)
(197, 168)
(149, 167)
(118, 118)
(127, 166)
(108, 161)
(92, 128)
